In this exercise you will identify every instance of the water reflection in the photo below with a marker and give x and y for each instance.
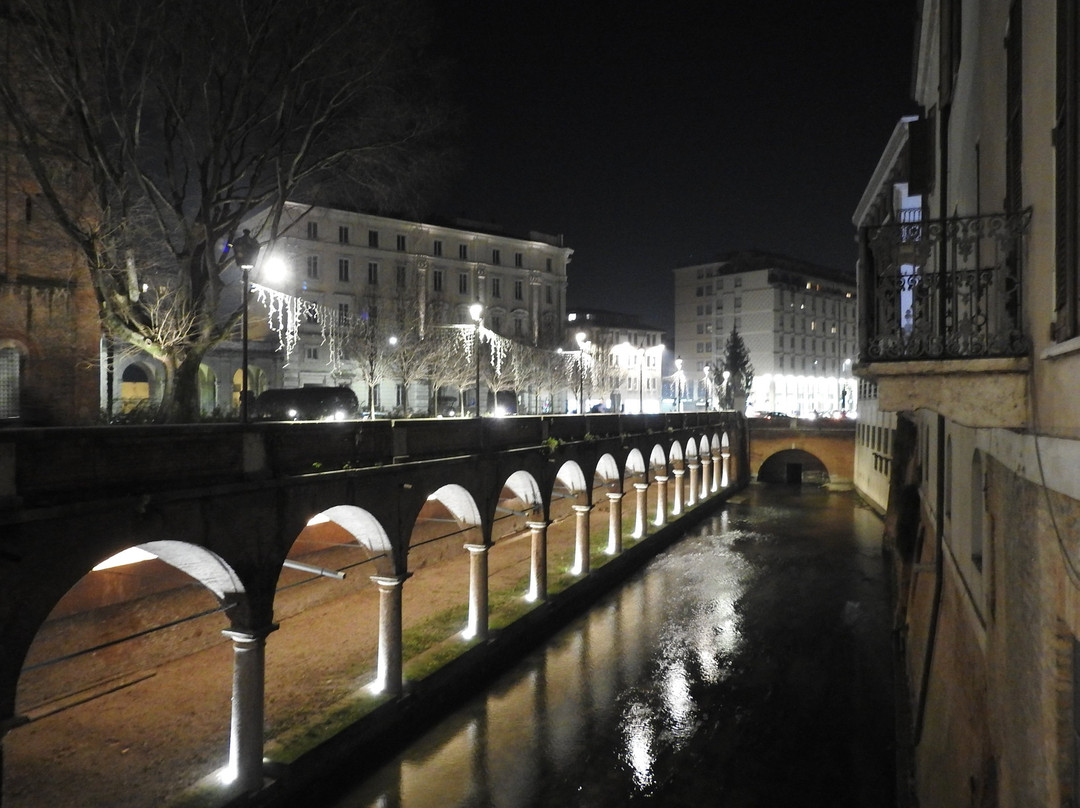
(620, 701)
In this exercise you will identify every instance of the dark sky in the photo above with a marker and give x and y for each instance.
(659, 134)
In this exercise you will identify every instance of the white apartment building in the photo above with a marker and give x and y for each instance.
(798, 322)
(409, 274)
(624, 358)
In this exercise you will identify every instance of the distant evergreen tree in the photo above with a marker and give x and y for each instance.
(737, 362)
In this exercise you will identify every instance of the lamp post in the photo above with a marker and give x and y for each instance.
(708, 379)
(245, 253)
(476, 311)
(727, 376)
(580, 337)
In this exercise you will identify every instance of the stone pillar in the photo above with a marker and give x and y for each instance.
(725, 479)
(614, 546)
(717, 469)
(661, 500)
(388, 676)
(248, 689)
(691, 494)
(706, 475)
(478, 591)
(581, 540)
(677, 507)
(640, 509)
(538, 564)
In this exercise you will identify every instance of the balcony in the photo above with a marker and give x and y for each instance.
(941, 316)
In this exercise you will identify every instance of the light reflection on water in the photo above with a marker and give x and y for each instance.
(599, 716)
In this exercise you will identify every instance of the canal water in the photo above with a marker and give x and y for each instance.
(749, 665)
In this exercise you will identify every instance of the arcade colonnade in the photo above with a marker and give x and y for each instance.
(397, 518)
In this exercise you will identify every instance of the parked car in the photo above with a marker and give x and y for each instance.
(307, 404)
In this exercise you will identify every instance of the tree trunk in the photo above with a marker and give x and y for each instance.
(180, 393)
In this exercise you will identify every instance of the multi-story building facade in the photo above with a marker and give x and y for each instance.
(340, 291)
(970, 334)
(798, 322)
(626, 358)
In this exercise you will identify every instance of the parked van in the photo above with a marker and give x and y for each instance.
(307, 404)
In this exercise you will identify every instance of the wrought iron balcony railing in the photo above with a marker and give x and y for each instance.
(943, 289)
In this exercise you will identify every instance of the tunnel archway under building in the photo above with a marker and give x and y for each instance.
(794, 467)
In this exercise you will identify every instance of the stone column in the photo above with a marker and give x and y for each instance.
(640, 509)
(478, 591)
(717, 469)
(677, 507)
(661, 500)
(614, 546)
(725, 479)
(388, 676)
(706, 475)
(581, 540)
(691, 494)
(248, 688)
(538, 565)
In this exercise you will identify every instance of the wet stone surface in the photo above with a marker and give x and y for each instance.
(749, 665)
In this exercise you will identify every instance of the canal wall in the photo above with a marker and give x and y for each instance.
(320, 773)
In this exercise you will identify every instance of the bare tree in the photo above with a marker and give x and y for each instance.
(451, 364)
(366, 344)
(183, 118)
(411, 356)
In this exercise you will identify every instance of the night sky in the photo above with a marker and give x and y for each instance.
(659, 134)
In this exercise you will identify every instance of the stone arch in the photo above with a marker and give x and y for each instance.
(635, 463)
(450, 504)
(793, 466)
(676, 455)
(607, 469)
(107, 628)
(657, 460)
(570, 482)
(342, 525)
(525, 488)
(139, 385)
(703, 446)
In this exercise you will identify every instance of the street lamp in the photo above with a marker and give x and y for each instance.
(708, 378)
(245, 252)
(476, 311)
(727, 393)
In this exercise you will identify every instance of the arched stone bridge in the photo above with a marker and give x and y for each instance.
(791, 450)
(252, 513)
